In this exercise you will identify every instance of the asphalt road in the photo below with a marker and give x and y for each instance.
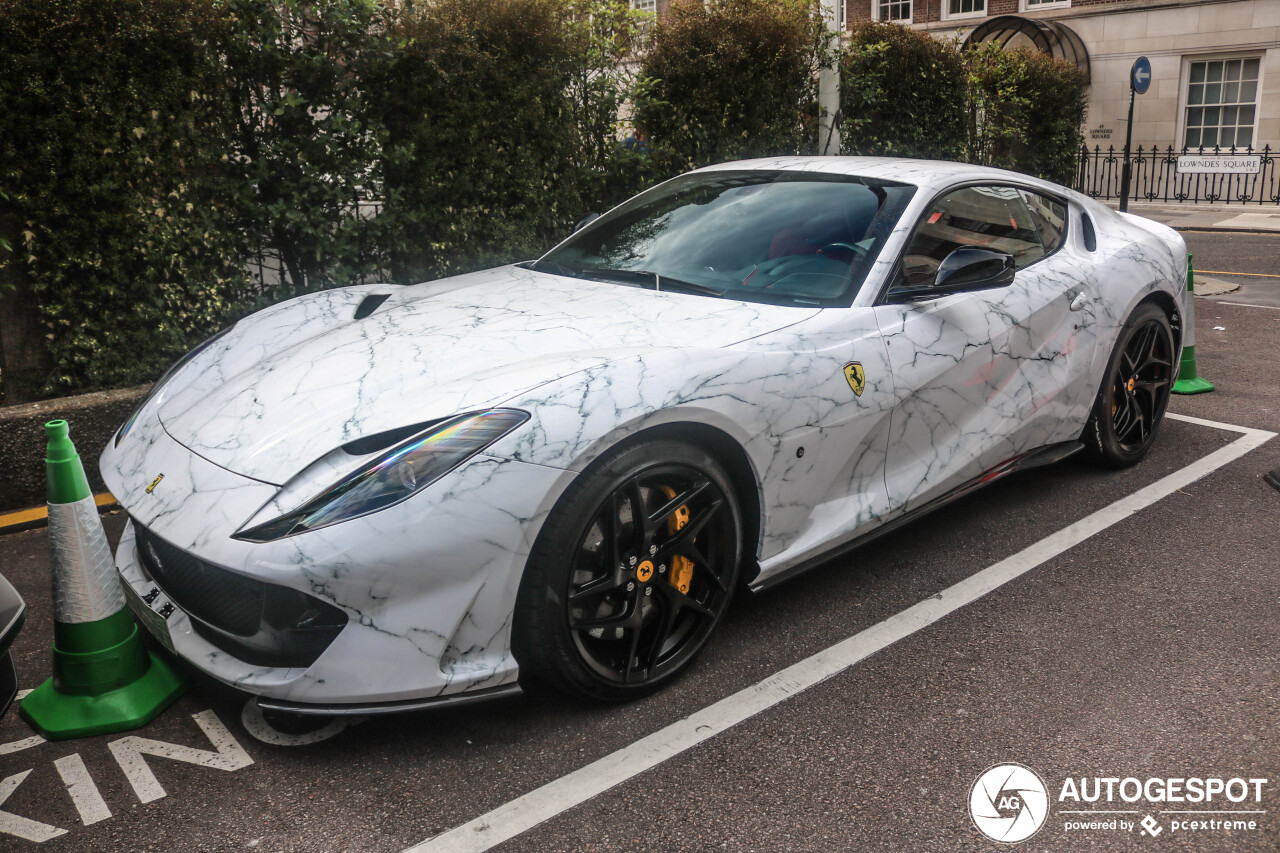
(1147, 650)
(1258, 254)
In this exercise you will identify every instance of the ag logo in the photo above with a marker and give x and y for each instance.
(857, 377)
(1008, 803)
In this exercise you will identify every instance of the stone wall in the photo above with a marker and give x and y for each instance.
(93, 419)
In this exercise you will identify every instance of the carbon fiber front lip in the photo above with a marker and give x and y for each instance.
(507, 691)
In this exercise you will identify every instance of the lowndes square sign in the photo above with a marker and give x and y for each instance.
(1233, 164)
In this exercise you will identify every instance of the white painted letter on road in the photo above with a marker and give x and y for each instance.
(129, 752)
(23, 827)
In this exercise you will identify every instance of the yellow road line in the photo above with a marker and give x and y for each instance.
(39, 513)
(1223, 272)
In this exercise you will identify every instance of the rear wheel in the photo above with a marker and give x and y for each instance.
(1135, 390)
(631, 573)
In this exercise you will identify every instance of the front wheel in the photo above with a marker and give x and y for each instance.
(1135, 390)
(631, 573)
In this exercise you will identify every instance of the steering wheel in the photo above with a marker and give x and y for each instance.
(859, 252)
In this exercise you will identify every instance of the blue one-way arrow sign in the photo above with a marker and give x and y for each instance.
(1140, 75)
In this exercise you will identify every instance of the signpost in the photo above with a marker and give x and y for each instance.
(1139, 82)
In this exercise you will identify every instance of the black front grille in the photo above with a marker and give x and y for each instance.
(260, 623)
(224, 600)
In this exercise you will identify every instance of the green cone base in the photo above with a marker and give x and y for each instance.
(58, 716)
(1198, 385)
(1191, 382)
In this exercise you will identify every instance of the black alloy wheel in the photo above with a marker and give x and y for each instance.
(631, 573)
(1135, 392)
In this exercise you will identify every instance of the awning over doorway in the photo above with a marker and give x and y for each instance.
(1048, 37)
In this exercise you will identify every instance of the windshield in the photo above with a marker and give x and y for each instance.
(785, 237)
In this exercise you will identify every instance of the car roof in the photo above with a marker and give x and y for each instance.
(927, 174)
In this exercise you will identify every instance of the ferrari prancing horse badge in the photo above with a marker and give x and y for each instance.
(857, 377)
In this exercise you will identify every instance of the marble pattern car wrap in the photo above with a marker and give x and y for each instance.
(281, 393)
(848, 418)
(784, 397)
(427, 584)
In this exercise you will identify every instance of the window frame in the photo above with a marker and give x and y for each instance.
(1029, 6)
(948, 15)
(887, 288)
(1184, 89)
(875, 13)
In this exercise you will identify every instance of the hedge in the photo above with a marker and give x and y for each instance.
(112, 136)
(1026, 111)
(906, 93)
(150, 148)
(902, 93)
(730, 79)
(499, 120)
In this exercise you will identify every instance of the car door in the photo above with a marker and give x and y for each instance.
(985, 375)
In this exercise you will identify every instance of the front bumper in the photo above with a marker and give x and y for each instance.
(427, 587)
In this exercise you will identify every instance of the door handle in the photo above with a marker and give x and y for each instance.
(1079, 300)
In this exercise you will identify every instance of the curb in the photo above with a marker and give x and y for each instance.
(38, 516)
(1207, 286)
(1220, 230)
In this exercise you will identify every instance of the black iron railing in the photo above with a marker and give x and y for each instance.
(1156, 177)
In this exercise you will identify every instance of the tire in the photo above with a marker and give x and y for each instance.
(1135, 390)
(600, 613)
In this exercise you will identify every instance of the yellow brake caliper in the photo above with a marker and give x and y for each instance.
(681, 567)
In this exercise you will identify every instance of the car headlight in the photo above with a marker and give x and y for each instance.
(168, 374)
(405, 470)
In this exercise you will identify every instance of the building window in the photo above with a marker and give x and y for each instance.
(1032, 5)
(1222, 99)
(965, 8)
(650, 6)
(892, 10)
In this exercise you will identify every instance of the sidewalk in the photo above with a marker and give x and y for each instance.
(1205, 217)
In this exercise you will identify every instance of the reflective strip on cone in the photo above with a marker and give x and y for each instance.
(85, 585)
(1189, 337)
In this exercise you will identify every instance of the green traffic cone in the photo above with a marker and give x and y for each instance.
(1190, 381)
(104, 679)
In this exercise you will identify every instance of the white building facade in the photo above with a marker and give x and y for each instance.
(1215, 63)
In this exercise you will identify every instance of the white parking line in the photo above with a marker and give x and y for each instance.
(1245, 304)
(560, 795)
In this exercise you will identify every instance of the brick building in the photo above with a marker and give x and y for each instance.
(1215, 63)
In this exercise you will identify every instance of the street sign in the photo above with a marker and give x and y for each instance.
(1228, 164)
(1140, 75)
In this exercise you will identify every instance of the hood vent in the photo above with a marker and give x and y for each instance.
(370, 304)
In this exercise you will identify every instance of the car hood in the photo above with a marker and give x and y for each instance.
(293, 382)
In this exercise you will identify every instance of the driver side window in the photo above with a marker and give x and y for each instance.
(984, 217)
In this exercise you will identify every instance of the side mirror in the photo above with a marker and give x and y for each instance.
(585, 221)
(968, 268)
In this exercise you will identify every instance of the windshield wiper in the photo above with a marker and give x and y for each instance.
(551, 267)
(651, 280)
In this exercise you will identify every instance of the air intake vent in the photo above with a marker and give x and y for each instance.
(370, 304)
